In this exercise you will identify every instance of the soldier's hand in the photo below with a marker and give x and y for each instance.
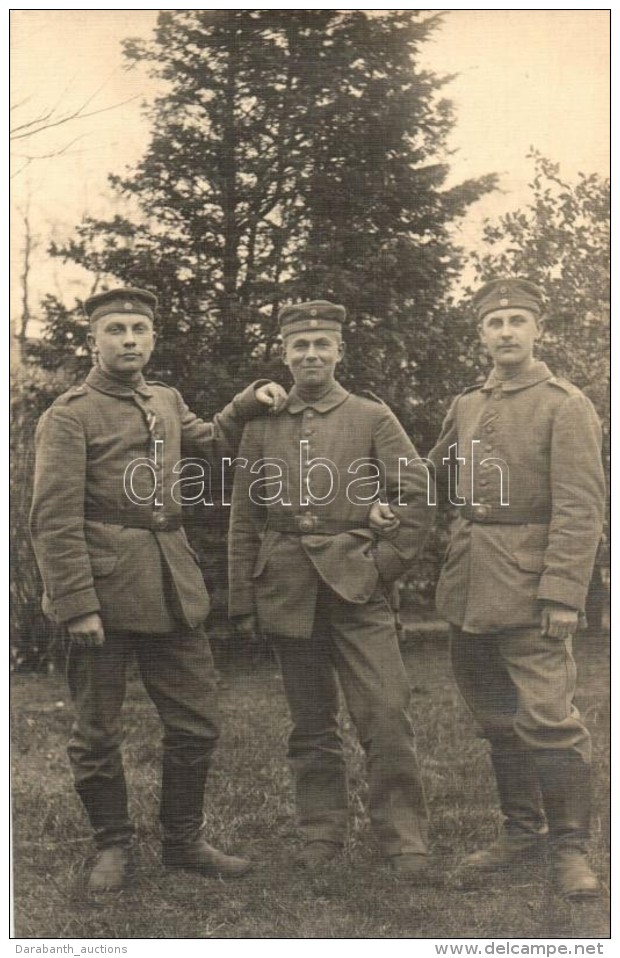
(382, 520)
(559, 621)
(87, 630)
(246, 626)
(272, 395)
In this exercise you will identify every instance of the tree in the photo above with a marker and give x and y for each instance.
(31, 243)
(293, 154)
(561, 241)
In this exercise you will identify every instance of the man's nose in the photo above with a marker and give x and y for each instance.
(129, 337)
(311, 352)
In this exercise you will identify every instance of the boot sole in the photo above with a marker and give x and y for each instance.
(207, 871)
(583, 895)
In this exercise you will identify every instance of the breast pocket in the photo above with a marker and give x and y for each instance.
(266, 547)
(530, 561)
(103, 565)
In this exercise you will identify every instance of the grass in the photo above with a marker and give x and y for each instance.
(249, 810)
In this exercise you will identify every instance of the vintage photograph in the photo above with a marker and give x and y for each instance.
(310, 413)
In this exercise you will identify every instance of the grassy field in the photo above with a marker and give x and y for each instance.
(249, 809)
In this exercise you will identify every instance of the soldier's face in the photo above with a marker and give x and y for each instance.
(123, 343)
(312, 357)
(509, 335)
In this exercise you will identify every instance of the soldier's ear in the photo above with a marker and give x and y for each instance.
(341, 350)
(279, 351)
(540, 325)
(91, 342)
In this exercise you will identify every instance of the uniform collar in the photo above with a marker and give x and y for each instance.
(335, 397)
(114, 387)
(537, 373)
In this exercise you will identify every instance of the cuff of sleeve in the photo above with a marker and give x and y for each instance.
(73, 606)
(554, 589)
(245, 403)
(389, 561)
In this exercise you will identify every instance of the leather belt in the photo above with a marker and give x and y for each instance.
(155, 521)
(306, 524)
(503, 515)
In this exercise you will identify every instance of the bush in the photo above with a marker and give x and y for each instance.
(31, 635)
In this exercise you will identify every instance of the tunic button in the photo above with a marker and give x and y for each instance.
(306, 523)
(160, 521)
(488, 448)
(309, 414)
(497, 396)
(308, 432)
(489, 428)
(484, 482)
(481, 512)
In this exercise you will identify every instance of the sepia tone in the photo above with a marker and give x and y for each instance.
(524, 80)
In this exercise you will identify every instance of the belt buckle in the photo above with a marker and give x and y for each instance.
(305, 522)
(160, 521)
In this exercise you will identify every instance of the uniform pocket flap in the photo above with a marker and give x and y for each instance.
(261, 562)
(530, 561)
(103, 564)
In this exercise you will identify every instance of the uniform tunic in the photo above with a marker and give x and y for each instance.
(529, 519)
(91, 557)
(276, 573)
(320, 589)
(539, 436)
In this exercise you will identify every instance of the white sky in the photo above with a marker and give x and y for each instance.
(525, 78)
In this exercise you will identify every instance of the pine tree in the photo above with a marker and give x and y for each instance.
(293, 154)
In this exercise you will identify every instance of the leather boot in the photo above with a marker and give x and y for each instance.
(111, 869)
(201, 857)
(105, 801)
(181, 814)
(566, 785)
(520, 799)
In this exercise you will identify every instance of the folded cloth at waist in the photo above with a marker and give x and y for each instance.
(156, 521)
(306, 523)
(503, 515)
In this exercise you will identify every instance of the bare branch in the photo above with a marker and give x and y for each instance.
(16, 106)
(24, 126)
(61, 151)
(76, 115)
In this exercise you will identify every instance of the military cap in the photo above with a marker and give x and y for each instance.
(500, 293)
(317, 314)
(127, 299)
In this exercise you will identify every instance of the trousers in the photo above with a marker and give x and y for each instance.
(519, 685)
(179, 676)
(356, 646)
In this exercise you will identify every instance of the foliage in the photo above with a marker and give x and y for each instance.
(30, 633)
(561, 241)
(294, 154)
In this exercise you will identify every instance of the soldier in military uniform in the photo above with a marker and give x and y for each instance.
(529, 518)
(305, 568)
(119, 573)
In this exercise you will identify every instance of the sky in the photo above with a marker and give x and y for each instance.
(524, 78)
